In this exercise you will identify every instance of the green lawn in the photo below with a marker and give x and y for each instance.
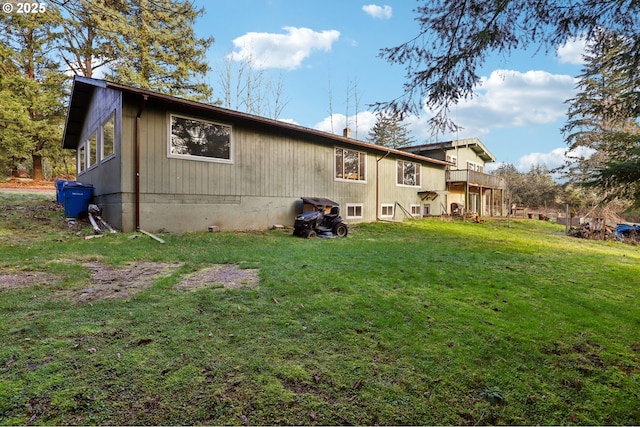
(424, 322)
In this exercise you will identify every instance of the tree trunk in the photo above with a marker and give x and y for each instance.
(37, 167)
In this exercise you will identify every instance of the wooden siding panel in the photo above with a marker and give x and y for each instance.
(268, 165)
(431, 178)
(128, 147)
(104, 175)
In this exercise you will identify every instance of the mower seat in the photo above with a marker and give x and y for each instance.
(333, 213)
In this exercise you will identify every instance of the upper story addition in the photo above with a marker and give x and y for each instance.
(467, 181)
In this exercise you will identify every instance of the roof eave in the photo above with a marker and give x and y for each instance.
(81, 92)
(74, 124)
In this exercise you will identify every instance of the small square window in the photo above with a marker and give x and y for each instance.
(386, 211)
(354, 211)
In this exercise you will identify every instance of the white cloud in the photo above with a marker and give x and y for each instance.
(337, 122)
(513, 99)
(378, 12)
(571, 51)
(287, 51)
(290, 121)
(553, 159)
(505, 99)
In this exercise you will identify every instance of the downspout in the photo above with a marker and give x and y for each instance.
(143, 102)
(378, 184)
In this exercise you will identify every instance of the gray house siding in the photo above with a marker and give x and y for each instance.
(263, 185)
(260, 188)
(272, 165)
(107, 173)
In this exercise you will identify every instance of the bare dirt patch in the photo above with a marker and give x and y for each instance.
(25, 279)
(227, 276)
(122, 282)
(110, 283)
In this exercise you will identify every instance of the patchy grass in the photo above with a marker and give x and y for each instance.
(425, 322)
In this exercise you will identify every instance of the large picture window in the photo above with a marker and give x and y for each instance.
(408, 173)
(350, 165)
(199, 140)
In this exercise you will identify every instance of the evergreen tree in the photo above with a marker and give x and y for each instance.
(602, 119)
(145, 43)
(89, 29)
(32, 89)
(156, 47)
(389, 131)
(456, 37)
(618, 177)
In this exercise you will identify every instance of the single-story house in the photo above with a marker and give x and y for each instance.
(159, 162)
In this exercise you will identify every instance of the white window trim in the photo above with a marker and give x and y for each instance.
(354, 205)
(387, 205)
(200, 158)
(417, 208)
(335, 171)
(83, 155)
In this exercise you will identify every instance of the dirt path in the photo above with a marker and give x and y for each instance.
(28, 190)
(29, 186)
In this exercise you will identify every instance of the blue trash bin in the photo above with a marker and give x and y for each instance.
(59, 193)
(77, 197)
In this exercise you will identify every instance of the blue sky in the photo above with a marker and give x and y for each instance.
(325, 56)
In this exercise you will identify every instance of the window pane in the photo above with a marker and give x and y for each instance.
(339, 163)
(409, 173)
(351, 164)
(400, 168)
(108, 137)
(93, 154)
(82, 159)
(202, 139)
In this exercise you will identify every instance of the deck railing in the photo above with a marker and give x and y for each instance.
(475, 178)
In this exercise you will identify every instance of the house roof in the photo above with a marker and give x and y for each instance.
(472, 143)
(84, 87)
